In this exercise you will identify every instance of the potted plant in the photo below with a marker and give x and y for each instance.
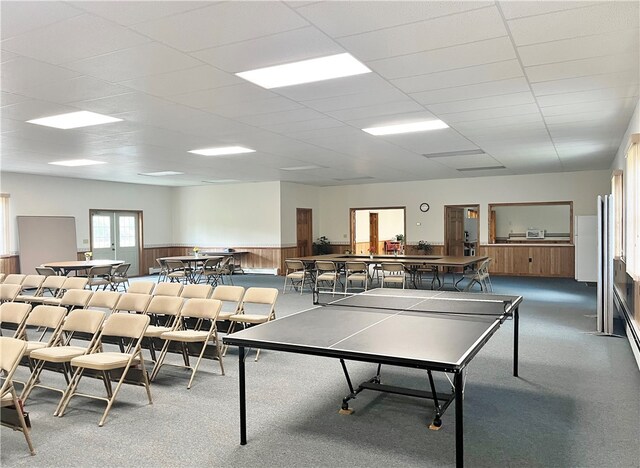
(372, 252)
(321, 246)
(88, 255)
(424, 247)
(196, 250)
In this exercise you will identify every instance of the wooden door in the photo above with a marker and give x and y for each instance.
(304, 231)
(454, 231)
(492, 227)
(373, 232)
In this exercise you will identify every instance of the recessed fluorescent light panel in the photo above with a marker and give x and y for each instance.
(161, 173)
(221, 151)
(300, 168)
(407, 128)
(355, 178)
(77, 162)
(306, 71)
(454, 153)
(74, 120)
(220, 181)
(487, 168)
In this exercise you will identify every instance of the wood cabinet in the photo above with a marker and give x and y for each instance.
(538, 260)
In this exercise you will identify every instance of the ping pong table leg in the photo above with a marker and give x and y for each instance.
(243, 403)
(457, 383)
(516, 323)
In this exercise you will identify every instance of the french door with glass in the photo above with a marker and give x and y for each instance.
(115, 235)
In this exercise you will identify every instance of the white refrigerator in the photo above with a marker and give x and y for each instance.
(585, 233)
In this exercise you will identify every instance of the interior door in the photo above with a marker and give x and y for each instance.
(304, 230)
(115, 236)
(454, 231)
(373, 233)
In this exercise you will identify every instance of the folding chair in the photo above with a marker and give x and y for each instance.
(210, 271)
(126, 326)
(71, 299)
(162, 274)
(203, 311)
(104, 300)
(164, 312)
(132, 302)
(356, 271)
(167, 289)
(46, 271)
(48, 321)
(231, 298)
(74, 283)
(14, 314)
(196, 291)
(119, 277)
(79, 321)
(11, 352)
(393, 273)
(296, 273)
(31, 282)
(141, 287)
(225, 267)
(9, 292)
(253, 297)
(2, 275)
(99, 276)
(14, 278)
(480, 277)
(326, 272)
(178, 271)
(52, 285)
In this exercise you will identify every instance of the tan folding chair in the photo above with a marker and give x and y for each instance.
(393, 273)
(358, 272)
(119, 276)
(141, 287)
(14, 314)
(70, 284)
(297, 274)
(11, 352)
(52, 285)
(48, 321)
(164, 311)
(79, 321)
(480, 276)
(231, 298)
(104, 300)
(162, 274)
(2, 275)
(178, 271)
(8, 292)
(326, 272)
(99, 276)
(210, 271)
(14, 278)
(167, 289)
(264, 299)
(31, 283)
(196, 291)
(132, 302)
(204, 311)
(126, 326)
(71, 299)
(225, 268)
(45, 271)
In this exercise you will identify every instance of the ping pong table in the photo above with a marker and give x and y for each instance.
(430, 330)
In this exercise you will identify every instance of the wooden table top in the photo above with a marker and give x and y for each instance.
(80, 264)
(433, 260)
(191, 258)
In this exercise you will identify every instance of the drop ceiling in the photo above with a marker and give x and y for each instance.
(525, 87)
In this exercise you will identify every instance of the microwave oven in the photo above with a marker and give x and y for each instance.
(535, 234)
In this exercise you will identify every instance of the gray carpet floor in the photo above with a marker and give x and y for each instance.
(575, 404)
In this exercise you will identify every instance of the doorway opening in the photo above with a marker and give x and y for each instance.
(461, 234)
(117, 235)
(377, 230)
(304, 231)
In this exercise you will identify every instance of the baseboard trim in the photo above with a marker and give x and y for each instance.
(631, 329)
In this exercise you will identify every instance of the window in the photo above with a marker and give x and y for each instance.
(101, 232)
(4, 227)
(632, 248)
(618, 213)
(127, 225)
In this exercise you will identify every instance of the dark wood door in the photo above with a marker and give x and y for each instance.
(304, 230)
(454, 231)
(373, 232)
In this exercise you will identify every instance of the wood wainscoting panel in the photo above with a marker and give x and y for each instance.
(11, 264)
(539, 260)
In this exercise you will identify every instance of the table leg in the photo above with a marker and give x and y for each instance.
(516, 326)
(243, 403)
(457, 383)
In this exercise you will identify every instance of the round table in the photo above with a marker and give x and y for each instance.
(76, 265)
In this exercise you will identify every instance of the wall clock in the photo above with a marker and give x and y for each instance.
(424, 207)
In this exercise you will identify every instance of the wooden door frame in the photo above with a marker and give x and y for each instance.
(142, 266)
(374, 215)
(352, 222)
(475, 206)
(310, 240)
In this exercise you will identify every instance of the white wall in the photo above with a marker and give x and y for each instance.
(517, 219)
(580, 187)
(34, 195)
(634, 127)
(241, 215)
(294, 196)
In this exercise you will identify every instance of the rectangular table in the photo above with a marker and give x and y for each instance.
(430, 330)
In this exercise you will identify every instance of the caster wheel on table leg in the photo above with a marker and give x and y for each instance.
(436, 424)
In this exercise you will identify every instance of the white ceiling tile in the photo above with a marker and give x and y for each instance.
(342, 19)
(73, 39)
(497, 112)
(502, 100)
(460, 93)
(23, 73)
(287, 116)
(5, 56)
(513, 9)
(290, 46)
(76, 89)
(20, 17)
(32, 109)
(589, 96)
(582, 67)
(221, 23)
(211, 98)
(617, 42)
(602, 18)
(516, 130)
(127, 13)
(355, 100)
(611, 113)
(393, 119)
(9, 98)
(378, 110)
(597, 107)
(448, 58)
(448, 31)
(183, 81)
(120, 103)
(586, 83)
(299, 126)
(251, 108)
(467, 161)
(464, 125)
(147, 59)
(437, 141)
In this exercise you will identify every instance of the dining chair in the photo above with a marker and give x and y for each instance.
(99, 276)
(178, 271)
(358, 272)
(326, 272)
(119, 276)
(393, 273)
(297, 274)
